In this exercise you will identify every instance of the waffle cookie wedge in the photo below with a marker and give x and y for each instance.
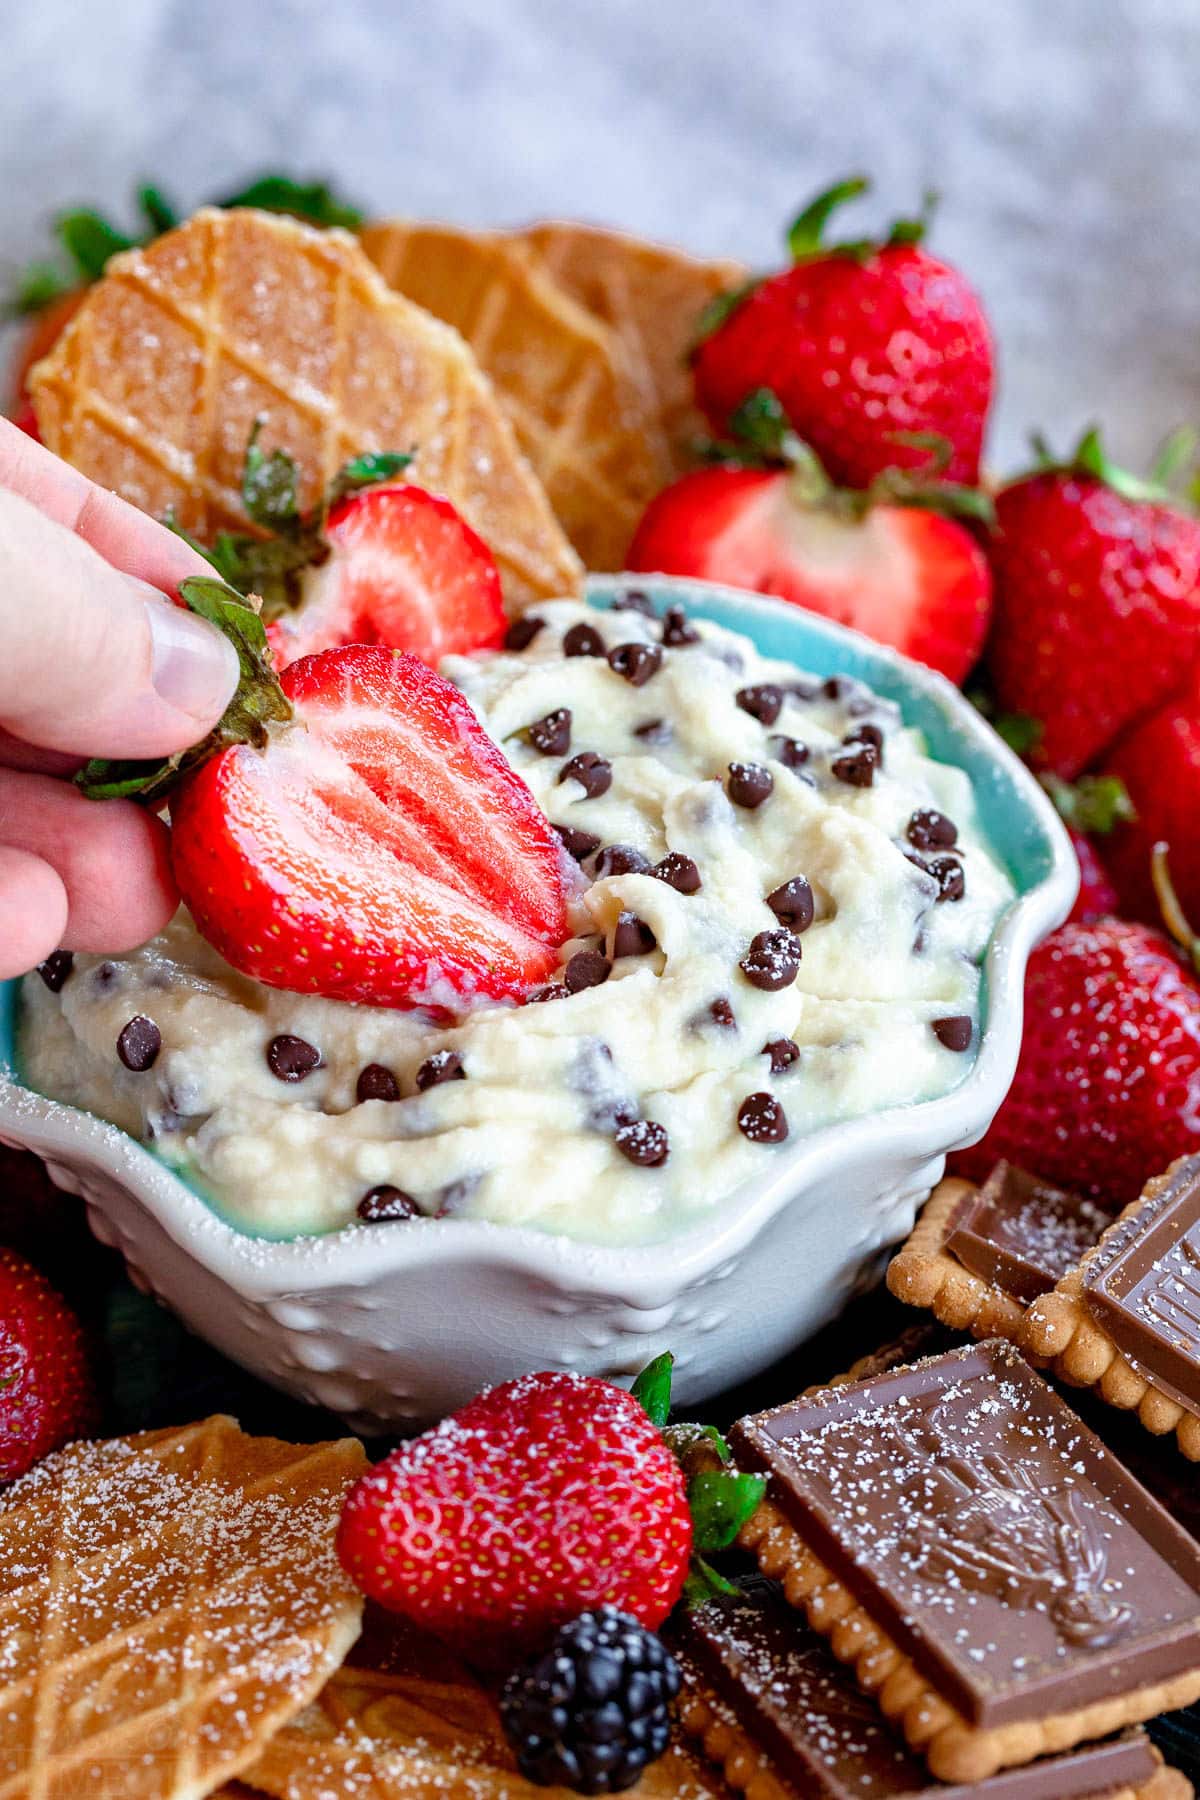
(1125, 1320)
(560, 372)
(976, 1257)
(998, 1582)
(167, 1601)
(156, 385)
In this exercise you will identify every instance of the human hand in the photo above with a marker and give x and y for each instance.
(94, 661)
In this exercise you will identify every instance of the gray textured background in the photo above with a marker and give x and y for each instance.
(1064, 136)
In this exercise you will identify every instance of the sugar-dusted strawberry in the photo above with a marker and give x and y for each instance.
(1097, 897)
(1107, 1090)
(352, 831)
(1097, 618)
(866, 343)
(1159, 764)
(47, 1394)
(403, 569)
(905, 575)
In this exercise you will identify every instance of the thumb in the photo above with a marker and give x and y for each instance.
(93, 661)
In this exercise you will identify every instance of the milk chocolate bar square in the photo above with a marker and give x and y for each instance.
(1021, 1234)
(997, 1577)
(1143, 1287)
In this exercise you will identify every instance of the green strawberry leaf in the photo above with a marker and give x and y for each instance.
(1090, 458)
(366, 471)
(258, 703)
(715, 312)
(38, 285)
(687, 1439)
(1095, 804)
(313, 201)
(90, 240)
(807, 228)
(721, 1501)
(704, 1583)
(1020, 731)
(652, 1389)
(159, 213)
(270, 488)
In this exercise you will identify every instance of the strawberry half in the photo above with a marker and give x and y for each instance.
(904, 575)
(380, 848)
(404, 569)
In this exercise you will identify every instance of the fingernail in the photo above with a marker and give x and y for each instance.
(194, 668)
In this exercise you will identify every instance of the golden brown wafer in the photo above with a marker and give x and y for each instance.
(155, 385)
(167, 1601)
(1062, 1330)
(922, 1273)
(559, 371)
(652, 296)
(403, 1719)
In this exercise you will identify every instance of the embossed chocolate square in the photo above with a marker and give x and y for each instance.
(749, 1661)
(1143, 1285)
(991, 1536)
(1021, 1234)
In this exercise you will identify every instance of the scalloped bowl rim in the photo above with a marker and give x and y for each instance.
(647, 1274)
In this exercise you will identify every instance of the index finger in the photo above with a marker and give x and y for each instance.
(128, 539)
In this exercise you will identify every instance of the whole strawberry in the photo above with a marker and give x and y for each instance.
(1107, 1089)
(1097, 896)
(866, 343)
(1097, 603)
(541, 1499)
(1159, 763)
(47, 1396)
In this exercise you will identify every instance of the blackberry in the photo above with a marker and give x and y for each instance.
(594, 1710)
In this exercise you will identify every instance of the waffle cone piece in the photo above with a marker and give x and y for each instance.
(561, 373)
(652, 297)
(167, 1601)
(155, 385)
(403, 1719)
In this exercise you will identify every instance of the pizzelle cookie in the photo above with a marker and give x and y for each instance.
(782, 1717)
(997, 1581)
(403, 1719)
(1125, 1320)
(167, 1601)
(154, 387)
(977, 1257)
(559, 371)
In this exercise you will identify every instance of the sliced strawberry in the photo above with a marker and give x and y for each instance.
(404, 569)
(904, 575)
(380, 849)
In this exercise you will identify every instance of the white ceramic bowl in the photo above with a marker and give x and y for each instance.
(393, 1327)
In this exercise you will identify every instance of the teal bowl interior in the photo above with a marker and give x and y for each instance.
(1021, 836)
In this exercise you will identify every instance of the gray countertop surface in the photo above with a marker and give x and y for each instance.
(1063, 135)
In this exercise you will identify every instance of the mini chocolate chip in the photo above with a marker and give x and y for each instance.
(634, 600)
(553, 991)
(763, 702)
(576, 843)
(583, 640)
(443, 1065)
(722, 1014)
(679, 872)
(654, 731)
(789, 751)
(930, 830)
(591, 771)
(522, 631)
(793, 904)
(56, 968)
(835, 687)
(955, 1032)
(632, 936)
(677, 629)
(772, 961)
(586, 969)
(857, 769)
(551, 735)
(749, 784)
(947, 871)
(762, 1119)
(379, 1205)
(783, 1052)
(139, 1044)
(620, 859)
(643, 1141)
(376, 1082)
(635, 663)
(292, 1058)
(866, 734)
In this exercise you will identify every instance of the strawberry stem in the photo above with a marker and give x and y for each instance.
(1090, 458)
(805, 236)
(1174, 917)
(1095, 804)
